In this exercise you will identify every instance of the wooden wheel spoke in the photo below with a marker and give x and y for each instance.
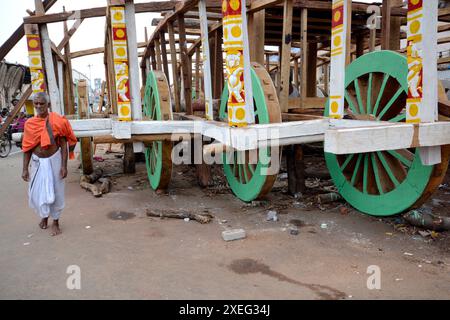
(347, 161)
(369, 94)
(387, 168)
(350, 102)
(376, 173)
(404, 156)
(356, 170)
(359, 97)
(391, 102)
(366, 173)
(398, 118)
(380, 94)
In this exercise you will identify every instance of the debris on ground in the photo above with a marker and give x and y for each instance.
(324, 226)
(199, 217)
(293, 231)
(427, 220)
(272, 216)
(88, 182)
(328, 197)
(234, 234)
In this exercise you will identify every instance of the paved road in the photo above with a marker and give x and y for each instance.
(122, 253)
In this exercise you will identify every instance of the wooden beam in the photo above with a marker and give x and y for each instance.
(173, 54)
(286, 54)
(154, 6)
(69, 97)
(312, 70)
(304, 41)
(162, 37)
(186, 66)
(68, 34)
(25, 95)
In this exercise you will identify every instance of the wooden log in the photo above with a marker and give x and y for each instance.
(304, 53)
(162, 37)
(311, 88)
(129, 164)
(133, 61)
(86, 144)
(186, 65)
(199, 217)
(173, 53)
(286, 55)
(295, 169)
(69, 97)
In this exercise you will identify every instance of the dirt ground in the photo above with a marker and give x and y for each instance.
(124, 254)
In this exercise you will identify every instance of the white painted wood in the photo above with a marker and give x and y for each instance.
(138, 147)
(250, 109)
(338, 56)
(53, 90)
(378, 138)
(135, 86)
(61, 85)
(209, 110)
(91, 124)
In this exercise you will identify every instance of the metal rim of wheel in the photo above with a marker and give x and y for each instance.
(5, 146)
(389, 182)
(158, 154)
(247, 179)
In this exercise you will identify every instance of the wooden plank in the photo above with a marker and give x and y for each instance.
(386, 24)
(86, 144)
(154, 6)
(25, 95)
(206, 61)
(311, 88)
(186, 66)
(133, 61)
(68, 34)
(158, 55)
(286, 55)
(173, 54)
(304, 52)
(162, 37)
(69, 97)
(56, 104)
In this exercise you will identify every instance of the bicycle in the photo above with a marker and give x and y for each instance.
(5, 145)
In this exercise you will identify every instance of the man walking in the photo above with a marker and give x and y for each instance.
(45, 141)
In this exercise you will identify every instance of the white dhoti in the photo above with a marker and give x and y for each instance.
(46, 188)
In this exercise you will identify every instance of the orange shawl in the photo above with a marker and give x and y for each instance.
(36, 133)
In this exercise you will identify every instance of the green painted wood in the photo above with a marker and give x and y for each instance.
(390, 103)
(358, 97)
(401, 117)
(347, 161)
(247, 190)
(376, 174)
(369, 94)
(366, 173)
(380, 94)
(387, 168)
(153, 154)
(401, 158)
(406, 192)
(350, 102)
(355, 171)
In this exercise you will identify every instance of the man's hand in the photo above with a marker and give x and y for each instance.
(63, 172)
(25, 175)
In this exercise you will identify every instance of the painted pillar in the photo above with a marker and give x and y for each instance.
(120, 57)
(422, 102)
(422, 47)
(237, 63)
(338, 56)
(35, 58)
(209, 112)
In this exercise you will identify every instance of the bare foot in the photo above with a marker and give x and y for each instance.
(55, 228)
(43, 223)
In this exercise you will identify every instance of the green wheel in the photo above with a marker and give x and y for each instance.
(389, 182)
(247, 178)
(157, 106)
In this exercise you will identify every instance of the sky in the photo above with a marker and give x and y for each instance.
(89, 35)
